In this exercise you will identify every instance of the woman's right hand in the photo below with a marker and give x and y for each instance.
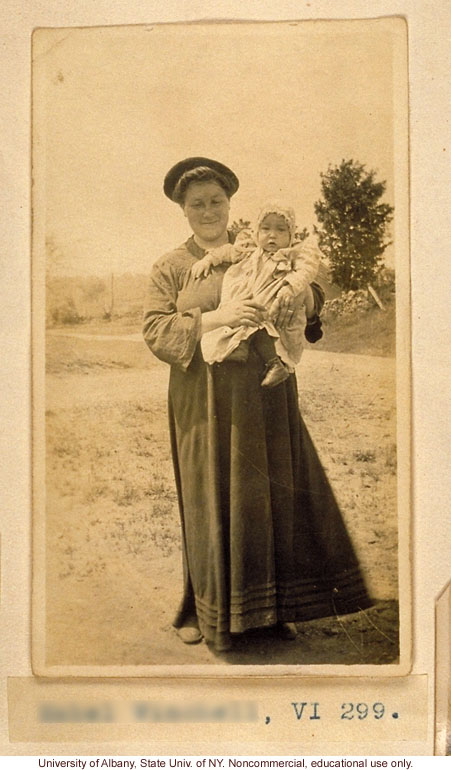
(236, 312)
(239, 312)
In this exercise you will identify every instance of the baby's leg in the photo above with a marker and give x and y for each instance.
(275, 370)
(264, 345)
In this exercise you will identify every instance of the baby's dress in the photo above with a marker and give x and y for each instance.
(260, 276)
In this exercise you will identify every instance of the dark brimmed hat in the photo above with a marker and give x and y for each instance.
(177, 171)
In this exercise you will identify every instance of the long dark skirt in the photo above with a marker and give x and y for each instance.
(263, 537)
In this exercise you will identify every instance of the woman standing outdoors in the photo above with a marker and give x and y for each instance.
(264, 542)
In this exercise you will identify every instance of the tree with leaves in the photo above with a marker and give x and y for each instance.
(301, 235)
(242, 224)
(353, 223)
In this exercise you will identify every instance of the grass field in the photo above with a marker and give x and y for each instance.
(113, 538)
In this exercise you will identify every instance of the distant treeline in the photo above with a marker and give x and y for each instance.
(77, 299)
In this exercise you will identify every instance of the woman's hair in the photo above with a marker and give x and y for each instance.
(200, 174)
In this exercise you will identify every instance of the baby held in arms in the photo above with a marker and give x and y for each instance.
(273, 267)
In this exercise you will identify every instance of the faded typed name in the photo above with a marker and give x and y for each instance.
(126, 712)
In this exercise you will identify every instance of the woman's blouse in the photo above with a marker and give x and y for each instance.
(175, 303)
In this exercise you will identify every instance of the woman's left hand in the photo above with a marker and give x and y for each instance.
(282, 309)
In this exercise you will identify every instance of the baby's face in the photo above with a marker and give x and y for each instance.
(273, 233)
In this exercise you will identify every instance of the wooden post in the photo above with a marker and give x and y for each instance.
(375, 297)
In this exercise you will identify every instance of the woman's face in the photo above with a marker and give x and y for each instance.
(207, 210)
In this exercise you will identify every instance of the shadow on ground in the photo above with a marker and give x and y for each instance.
(366, 637)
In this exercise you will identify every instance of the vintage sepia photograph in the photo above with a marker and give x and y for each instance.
(221, 348)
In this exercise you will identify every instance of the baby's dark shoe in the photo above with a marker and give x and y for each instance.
(275, 373)
(313, 331)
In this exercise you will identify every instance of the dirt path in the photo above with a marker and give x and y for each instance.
(359, 360)
(314, 364)
(137, 337)
(114, 569)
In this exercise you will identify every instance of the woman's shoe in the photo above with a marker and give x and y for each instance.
(276, 372)
(190, 632)
(286, 631)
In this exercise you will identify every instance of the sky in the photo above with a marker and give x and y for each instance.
(116, 107)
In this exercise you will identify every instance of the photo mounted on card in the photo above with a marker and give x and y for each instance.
(221, 346)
